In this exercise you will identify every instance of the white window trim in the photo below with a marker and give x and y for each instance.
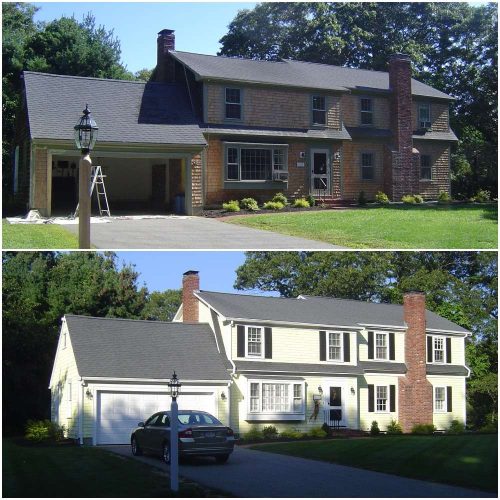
(434, 351)
(313, 109)
(375, 357)
(445, 401)
(387, 401)
(240, 104)
(262, 342)
(330, 360)
(283, 415)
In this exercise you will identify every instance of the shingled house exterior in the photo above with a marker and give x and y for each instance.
(295, 363)
(215, 128)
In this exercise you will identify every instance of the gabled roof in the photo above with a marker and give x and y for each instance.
(295, 74)
(136, 349)
(317, 311)
(125, 111)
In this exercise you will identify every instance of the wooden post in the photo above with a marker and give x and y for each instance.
(85, 167)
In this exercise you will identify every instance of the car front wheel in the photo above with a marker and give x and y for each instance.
(136, 449)
(221, 459)
(166, 453)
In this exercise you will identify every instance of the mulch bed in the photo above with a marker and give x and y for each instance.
(218, 213)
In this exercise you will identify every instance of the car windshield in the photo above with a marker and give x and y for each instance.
(194, 418)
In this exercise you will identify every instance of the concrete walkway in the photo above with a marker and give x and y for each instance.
(251, 473)
(190, 233)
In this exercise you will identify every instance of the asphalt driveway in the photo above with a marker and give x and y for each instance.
(252, 473)
(189, 233)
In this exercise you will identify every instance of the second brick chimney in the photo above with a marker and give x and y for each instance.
(190, 306)
(165, 65)
(415, 391)
(405, 173)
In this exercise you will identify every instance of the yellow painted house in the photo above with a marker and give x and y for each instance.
(254, 361)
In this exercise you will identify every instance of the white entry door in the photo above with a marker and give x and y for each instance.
(320, 173)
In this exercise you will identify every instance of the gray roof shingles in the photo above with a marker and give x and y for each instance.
(137, 349)
(296, 74)
(125, 111)
(317, 310)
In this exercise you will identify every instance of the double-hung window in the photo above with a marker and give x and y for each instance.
(381, 398)
(381, 347)
(439, 399)
(366, 111)
(273, 397)
(425, 168)
(254, 342)
(335, 348)
(367, 167)
(438, 349)
(233, 103)
(318, 110)
(256, 162)
(424, 115)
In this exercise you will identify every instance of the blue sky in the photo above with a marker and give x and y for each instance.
(198, 26)
(163, 270)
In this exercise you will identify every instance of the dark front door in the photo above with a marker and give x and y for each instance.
(320, 173)
(334, 416)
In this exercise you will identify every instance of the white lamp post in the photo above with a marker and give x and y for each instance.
(85, 139)
(174, 386)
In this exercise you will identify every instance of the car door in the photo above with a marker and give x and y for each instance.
(159, 432)
(147, 433)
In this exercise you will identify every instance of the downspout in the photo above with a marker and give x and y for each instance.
(81, 404)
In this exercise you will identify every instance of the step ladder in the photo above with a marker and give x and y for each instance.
(97, 183)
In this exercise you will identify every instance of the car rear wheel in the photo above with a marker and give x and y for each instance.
(221, 459)
(166, 453)
(136, 449)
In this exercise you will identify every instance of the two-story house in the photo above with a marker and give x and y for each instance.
(255, 361)
(213, 128)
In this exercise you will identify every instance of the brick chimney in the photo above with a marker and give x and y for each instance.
(165, 65)
(415, 391)
(190, 306)
(405, 174)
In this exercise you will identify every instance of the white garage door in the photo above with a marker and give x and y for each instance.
(119, 412)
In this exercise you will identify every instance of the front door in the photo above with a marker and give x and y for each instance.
(334, 407)
(320, 173)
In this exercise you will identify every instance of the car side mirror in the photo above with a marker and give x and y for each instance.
(140, 424)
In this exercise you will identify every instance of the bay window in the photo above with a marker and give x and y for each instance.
(276, 399)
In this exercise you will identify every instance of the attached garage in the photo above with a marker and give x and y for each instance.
(119, 412)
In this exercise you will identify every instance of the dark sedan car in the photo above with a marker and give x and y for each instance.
(199, 434)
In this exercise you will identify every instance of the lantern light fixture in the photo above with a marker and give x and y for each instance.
(174, 386)
(86, 132)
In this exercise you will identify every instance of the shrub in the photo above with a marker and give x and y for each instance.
(301, 203)
(482, 196)
(253, 435)
(249, 204)
(423, 429)
(273, 205)
(374, 430)
(280, 198)
(44, 430)
(456, 427)
(444, 197)
(418, 199)
(408, 199)
(382, 198)
(362, 198)
(394, 428)
(489, 428)
(270, 432)
(291, 434)
(231, 206)
(317, 432)
(326, 428)
(311, 200)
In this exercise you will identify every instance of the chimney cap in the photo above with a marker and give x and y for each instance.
(190, 273)
(399, 56)
(166, 31)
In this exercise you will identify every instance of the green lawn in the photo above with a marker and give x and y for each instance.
(46, 236)
(469, 461)
(436, 227)
(72, 471)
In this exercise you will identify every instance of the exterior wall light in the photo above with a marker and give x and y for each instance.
(353, 391)
(320, 390)
(223, 396)
(89, 394)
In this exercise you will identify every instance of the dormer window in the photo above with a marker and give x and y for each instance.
(318, 110)
(366, 111)
(424, 115)
(233, 104)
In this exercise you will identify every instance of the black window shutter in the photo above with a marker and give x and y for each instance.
(268, 343)
(449, 402)
(392, 398)
(429, 349)
(241, 341)
(392, 348)
(322, 345)
(347, 347)
(371, 394)
(370, 345)
(448, 350)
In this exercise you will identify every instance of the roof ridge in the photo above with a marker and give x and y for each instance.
(138, 320)
(232, 58)
(247, 295)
